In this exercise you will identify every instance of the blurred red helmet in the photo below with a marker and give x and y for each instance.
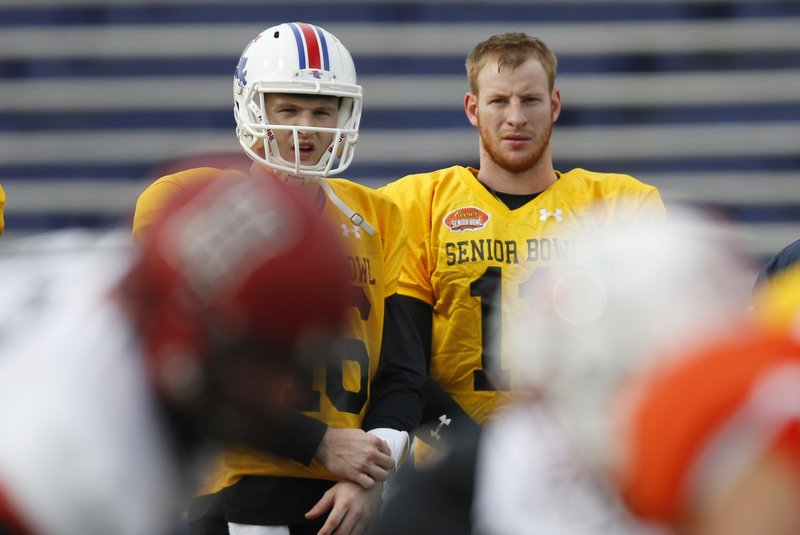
(234, 264)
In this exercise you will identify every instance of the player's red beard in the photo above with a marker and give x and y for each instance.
(514, 163)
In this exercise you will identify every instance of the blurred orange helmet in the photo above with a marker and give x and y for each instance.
(698, 422)
(234, 264)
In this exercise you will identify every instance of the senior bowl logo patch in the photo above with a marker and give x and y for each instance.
(467, 218)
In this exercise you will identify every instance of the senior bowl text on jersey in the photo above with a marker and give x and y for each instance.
(469, 257)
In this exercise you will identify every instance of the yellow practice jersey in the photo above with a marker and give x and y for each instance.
(469, 256)
(159, 192)
(340, 394)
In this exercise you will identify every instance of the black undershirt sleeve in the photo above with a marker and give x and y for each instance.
(420, 315)
(396, 397)
(297, 439)
(438, 403)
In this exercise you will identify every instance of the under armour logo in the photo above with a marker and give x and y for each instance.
(347, 231)
(544, 214)
(443, 420)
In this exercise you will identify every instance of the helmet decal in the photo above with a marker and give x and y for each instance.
(241, 70)
(311, 46)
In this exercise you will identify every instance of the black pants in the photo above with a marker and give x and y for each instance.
(207, 517)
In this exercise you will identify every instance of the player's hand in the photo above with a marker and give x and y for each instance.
(352, 508)
(356, 455)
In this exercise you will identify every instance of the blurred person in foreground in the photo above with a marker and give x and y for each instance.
(712, 440)
(297, 106)
(478, 236)
(122, 369)
(546, 463)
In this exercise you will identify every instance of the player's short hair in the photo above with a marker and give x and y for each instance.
(510, 50)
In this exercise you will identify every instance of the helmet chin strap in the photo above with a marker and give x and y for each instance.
(351, 214)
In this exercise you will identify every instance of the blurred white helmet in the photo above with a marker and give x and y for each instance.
(303, 59)
(626, 297)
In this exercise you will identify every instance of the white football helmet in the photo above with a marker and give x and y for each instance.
(296, 58)
(627, 297)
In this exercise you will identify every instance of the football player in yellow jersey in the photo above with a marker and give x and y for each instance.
(297, 108)
(477, 235)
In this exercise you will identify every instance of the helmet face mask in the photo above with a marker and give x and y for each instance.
(296, 60)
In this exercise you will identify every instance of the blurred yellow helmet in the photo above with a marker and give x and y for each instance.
(776, 303)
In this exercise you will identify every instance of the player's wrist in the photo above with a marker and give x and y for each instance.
(322, 450)
(398, 441)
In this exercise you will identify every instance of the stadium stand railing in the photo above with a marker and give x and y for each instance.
(700, 97)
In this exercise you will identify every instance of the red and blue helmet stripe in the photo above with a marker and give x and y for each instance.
(312, 48)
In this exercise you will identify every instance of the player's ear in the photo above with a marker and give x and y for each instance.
(471, 108)
(555, 104)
